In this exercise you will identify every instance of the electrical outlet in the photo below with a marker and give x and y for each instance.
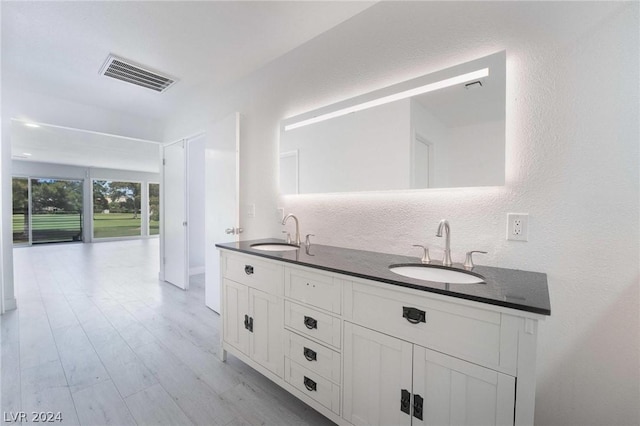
(281, 212)
(251, 210)
(518, 226)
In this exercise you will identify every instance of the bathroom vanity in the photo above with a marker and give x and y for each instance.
(365, 346)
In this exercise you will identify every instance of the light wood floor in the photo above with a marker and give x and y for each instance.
(99, 339)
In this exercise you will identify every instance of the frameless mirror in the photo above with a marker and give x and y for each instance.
(442, 130)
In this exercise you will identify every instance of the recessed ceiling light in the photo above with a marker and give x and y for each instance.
(31, 125)
(26, 154)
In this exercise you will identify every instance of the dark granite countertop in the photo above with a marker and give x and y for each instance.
(511, 288)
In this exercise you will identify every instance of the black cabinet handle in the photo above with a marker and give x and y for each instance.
(309, 384)
(414, 315)
(248, 323)
(310, 323)
(405, 401)
(248, 269)
(417, 406)
(309, 354)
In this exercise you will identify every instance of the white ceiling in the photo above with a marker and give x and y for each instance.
(74, 147)
(57, 48)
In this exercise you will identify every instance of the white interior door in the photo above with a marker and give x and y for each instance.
(222, 198)
(174, 215)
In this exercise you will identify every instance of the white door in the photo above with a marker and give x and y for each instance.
(377, 378)
(175, 246)
(455, 392)
(267, 329)
(236, 315)
(221, 199)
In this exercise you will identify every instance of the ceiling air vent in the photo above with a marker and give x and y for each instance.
(130, 72)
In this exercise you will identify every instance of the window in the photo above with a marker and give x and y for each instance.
(116, 209)
(20, 219)
(154, 208)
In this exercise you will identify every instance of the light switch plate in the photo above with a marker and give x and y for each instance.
(518, 226)
(251, 210)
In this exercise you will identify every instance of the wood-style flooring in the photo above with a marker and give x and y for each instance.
(98, 338)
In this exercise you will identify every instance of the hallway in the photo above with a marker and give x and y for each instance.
(99, 339)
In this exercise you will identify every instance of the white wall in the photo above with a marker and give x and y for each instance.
(572, 163)
(195, 180)
(476, 154)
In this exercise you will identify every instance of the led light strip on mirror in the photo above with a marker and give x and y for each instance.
(464, 78)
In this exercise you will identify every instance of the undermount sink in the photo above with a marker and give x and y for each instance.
(274, 246)
(437, 274)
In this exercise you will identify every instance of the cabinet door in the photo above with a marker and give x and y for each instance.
(456, 392)
(267, 339)
(377, 368)
(234, 308)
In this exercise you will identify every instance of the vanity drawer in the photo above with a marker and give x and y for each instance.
(313, 356)
(312, 385)
(462, 331)
(313, 323)
(262, 275)
(312, 288)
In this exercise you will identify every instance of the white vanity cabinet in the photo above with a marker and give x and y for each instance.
(390, 381)
(363, 352)
(252, 312)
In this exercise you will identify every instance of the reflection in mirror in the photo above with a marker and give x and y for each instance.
(442, 130)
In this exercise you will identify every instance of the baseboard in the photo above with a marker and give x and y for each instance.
(196, 270)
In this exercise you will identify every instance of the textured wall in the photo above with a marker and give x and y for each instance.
(571, 162)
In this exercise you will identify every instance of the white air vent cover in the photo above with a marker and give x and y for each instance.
(130, 72)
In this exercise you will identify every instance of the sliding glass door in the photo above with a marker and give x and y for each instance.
(46, 210)
(56, 210)
(21, 212)
(116, 209)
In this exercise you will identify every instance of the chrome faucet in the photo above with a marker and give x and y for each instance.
(447, 250)
(284, 221)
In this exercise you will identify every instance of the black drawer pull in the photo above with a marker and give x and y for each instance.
(413, 315)
(310, 323)
(309, 384)
(310, 354)
(405, 401)
(248, 269)
(417, 407)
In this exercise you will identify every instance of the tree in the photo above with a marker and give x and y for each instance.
(154, 202)
(20, 187)
(56, 195)
(128, 195)
(100, 196)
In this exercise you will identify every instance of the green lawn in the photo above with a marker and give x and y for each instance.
(104, 225)
(115, 225)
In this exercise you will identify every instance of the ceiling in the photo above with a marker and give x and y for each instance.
(59, 145)
(57, 48)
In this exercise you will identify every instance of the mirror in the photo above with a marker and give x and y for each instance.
(442, 130)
